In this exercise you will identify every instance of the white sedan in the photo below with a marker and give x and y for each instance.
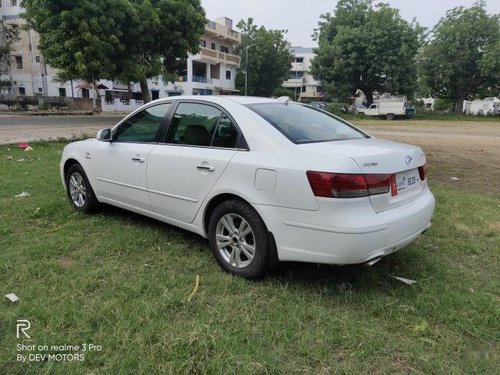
(264, 180)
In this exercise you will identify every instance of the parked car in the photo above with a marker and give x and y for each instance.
(264, 180)
(318, 105)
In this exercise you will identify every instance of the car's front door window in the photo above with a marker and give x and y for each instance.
(143, 126)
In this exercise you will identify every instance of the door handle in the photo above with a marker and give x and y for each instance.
(138, 158)
(205, 168)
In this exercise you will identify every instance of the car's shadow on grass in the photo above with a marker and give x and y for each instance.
(412, 263)
(405, 263)
(147, 222)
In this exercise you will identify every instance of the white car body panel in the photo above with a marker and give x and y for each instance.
(179, 188)
(120, 173)
(271, 177)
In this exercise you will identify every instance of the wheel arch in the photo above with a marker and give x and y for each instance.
(214, 202)
(67, 164)
(218, 199)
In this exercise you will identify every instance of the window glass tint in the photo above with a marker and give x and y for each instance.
(226, 133)
(143, 126)
(194, 124)
(303, 124)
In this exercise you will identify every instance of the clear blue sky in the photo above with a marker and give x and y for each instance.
(300, 17)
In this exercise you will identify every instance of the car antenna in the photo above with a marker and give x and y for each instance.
(284, 99)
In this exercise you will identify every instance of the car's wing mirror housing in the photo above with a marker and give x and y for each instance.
(104, 135)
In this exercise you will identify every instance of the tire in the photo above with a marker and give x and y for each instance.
(246, 255)
(80, 193)
(390, 116)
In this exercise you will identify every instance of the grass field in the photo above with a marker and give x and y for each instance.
(121, 282)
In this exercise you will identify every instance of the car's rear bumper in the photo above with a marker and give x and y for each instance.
(355, 234)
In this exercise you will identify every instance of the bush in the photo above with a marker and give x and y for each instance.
(338, 109)
(445, 105)
(283, 91)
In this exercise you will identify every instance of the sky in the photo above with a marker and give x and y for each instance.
(300, 17)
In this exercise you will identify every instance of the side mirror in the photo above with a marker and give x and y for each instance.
(104, 135)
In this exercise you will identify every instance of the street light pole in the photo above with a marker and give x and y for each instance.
(246, 66)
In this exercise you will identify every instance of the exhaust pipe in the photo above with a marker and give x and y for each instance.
(373, 261)
(426, 229)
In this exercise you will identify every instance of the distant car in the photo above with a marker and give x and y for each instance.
(264, 180)
(318, 105)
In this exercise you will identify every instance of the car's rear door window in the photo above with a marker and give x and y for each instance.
(226, 134)
(198, 124)
(304, 124)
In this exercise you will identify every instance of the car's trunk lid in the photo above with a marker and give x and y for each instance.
(376, 156)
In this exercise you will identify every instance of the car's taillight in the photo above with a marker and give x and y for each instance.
(394, 186)
(343, 185)
(422, 171)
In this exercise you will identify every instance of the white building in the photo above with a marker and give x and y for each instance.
(301, 83)
(210, 72)
(27, 73)
(484, 107)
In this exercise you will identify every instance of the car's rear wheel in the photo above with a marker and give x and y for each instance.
(238, 239)
(390, 116)
(79, 191)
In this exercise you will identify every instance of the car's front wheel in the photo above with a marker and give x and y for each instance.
(238, 239)
(79, 191)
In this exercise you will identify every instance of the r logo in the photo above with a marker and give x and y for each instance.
(23, 326)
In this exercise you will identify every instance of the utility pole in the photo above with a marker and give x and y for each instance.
(246, 66)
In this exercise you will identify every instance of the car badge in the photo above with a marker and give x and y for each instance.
(408, 159)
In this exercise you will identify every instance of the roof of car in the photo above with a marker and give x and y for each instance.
(251, 99)
(244, 100)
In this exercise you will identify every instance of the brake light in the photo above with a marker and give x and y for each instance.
(394, 186)
(422, 171)
(343, 185)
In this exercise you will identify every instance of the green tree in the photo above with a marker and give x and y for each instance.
(269, 59)
(84, 39)
(462, 59)
(161, 33)
(368, 48)
(126, 40)
(9, 34)
(283, 91)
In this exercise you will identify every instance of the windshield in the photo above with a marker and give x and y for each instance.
(304, 124)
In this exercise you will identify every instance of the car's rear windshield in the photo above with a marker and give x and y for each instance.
(304, 124)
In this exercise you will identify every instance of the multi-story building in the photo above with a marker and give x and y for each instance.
(27, 73)
(213, 70)
(301, 83)
(210, 72)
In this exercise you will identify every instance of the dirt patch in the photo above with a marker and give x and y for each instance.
(65, 262)
(464, 155)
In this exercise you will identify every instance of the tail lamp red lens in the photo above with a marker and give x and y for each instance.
(422, 171)
(343, 185)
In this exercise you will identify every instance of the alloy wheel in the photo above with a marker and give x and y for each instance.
(77, 189)
(235, 240)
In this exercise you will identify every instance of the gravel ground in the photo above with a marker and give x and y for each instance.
(469, 151)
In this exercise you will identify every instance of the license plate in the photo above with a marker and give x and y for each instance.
(407, 181)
